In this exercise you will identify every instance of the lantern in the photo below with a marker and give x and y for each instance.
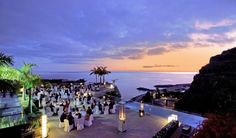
(141, 111)
(122, 118)
(122, 115)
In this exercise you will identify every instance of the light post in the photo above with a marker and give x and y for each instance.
(122, 119)
(141, 111)
(44, 126)
(44, 105)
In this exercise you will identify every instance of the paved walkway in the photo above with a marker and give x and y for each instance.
(105, 126)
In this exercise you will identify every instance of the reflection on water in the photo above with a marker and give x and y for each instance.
(128, 81)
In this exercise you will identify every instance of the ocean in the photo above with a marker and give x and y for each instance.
(128, 82)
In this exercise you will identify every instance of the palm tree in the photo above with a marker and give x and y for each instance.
(104, 72)
(5, 60)
(29, 81)
(34, 80)
(9, 77)
(95, 72)
(100, 73)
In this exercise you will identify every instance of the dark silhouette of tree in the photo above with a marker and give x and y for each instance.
(218, 126)
(5, 59)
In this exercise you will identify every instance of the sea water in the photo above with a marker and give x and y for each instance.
(128, 82)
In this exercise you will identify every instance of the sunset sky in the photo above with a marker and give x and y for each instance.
(124, 35)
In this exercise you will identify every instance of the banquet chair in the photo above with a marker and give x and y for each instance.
(106, 110)
(88, 122)
(61, 124)
(113, 110)
(67, 127)
(80, 123)
(96, 110)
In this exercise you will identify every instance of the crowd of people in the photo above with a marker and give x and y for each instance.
(74, 104)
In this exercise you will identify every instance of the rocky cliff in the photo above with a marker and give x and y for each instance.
(213, 90)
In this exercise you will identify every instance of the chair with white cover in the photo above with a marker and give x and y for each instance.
(106, 110)
(113, 110)
(88, 122)
(80, 123)
(96, 110)
(67, 127)
(75, 120)
(92, 118)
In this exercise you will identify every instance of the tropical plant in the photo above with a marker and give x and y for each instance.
(5, 60)
(95, 72)
(5, 72)
(24, 76)
(9, 77)
(104, 72)
(100, 73)
(29, 81)
(9, 73)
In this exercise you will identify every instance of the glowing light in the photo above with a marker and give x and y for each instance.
(172, 117)
(44, 126)
(122, 115)
(141, 114)
(112, 86)
(142, 106)
(141, 111)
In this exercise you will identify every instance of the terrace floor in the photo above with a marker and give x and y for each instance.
(105, 126)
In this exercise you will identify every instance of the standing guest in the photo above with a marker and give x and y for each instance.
(66, 105)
